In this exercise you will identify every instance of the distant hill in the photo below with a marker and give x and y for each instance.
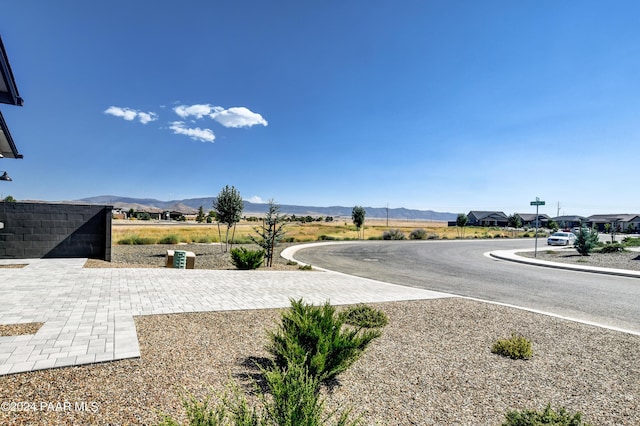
(192, 204)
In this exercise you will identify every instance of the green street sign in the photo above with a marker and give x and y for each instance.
(537, 203)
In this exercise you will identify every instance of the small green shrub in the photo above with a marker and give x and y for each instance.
(169, 239)
(364, 316)
(418, 234)
(205, 240)
(242, 258)
(305, 267)
(326, 238)
(547, 417)
(612, 248)
(295, 400)
(136, 240)
(586, 241)
(631, 241)
(314, 336)
(393, 234)
(515, 347)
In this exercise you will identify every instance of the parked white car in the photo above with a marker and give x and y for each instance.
(561, 239)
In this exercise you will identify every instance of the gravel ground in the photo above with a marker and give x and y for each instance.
(432, 366)
(208, 256)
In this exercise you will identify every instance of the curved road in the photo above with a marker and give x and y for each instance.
(461, 268)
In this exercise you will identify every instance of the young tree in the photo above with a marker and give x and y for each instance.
(200, 217)
(228, 207)
(586, 241)
(211, 216)
(9, 199)
(514, 221)
(461, 222)
(271, 233)
(357, 214)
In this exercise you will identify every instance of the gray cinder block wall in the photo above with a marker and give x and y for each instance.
(43, 230)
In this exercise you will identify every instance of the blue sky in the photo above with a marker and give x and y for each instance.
(443, 105)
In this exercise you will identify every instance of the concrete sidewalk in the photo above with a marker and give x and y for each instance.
(88, 313)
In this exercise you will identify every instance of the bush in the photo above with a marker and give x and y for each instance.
(314, 336)
(612, 248)
(393, 234)
(631, 241)
(292, 395)
(326, 238)
(136, 240)
(295, 397)
(418, 234)
(295, 401)
(243, 258)
(586, 241)
(547, 417)
(364, 316)
(169, 239)
(516, 347)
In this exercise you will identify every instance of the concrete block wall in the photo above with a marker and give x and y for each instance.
(44, 230)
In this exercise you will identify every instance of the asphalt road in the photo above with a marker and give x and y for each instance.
(461, 268)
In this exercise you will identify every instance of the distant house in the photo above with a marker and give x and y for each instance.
(619, 222)
(529, 220)
(482, 218)
(568, 222)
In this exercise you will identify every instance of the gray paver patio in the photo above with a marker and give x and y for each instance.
(88, 313)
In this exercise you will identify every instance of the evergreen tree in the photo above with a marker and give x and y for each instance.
(271, 233)
(200, 217)
(586, 241)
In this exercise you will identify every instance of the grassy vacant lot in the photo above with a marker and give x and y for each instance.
(341, 229)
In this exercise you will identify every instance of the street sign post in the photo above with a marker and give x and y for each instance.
(537, 203)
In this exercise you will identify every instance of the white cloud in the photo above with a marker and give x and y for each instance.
(256, 199)
(231, 117)
(146, 117)
(237, 117)
(198, 110)
(131, 114)
(198, 134)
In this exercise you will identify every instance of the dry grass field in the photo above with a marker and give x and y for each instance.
(340, 229)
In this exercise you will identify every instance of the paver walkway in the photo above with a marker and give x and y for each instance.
(88, 313)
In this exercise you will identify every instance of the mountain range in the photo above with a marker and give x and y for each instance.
(191, 205)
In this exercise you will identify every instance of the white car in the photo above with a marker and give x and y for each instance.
(561, 239)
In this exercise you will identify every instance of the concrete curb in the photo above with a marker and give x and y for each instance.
(511, 256)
